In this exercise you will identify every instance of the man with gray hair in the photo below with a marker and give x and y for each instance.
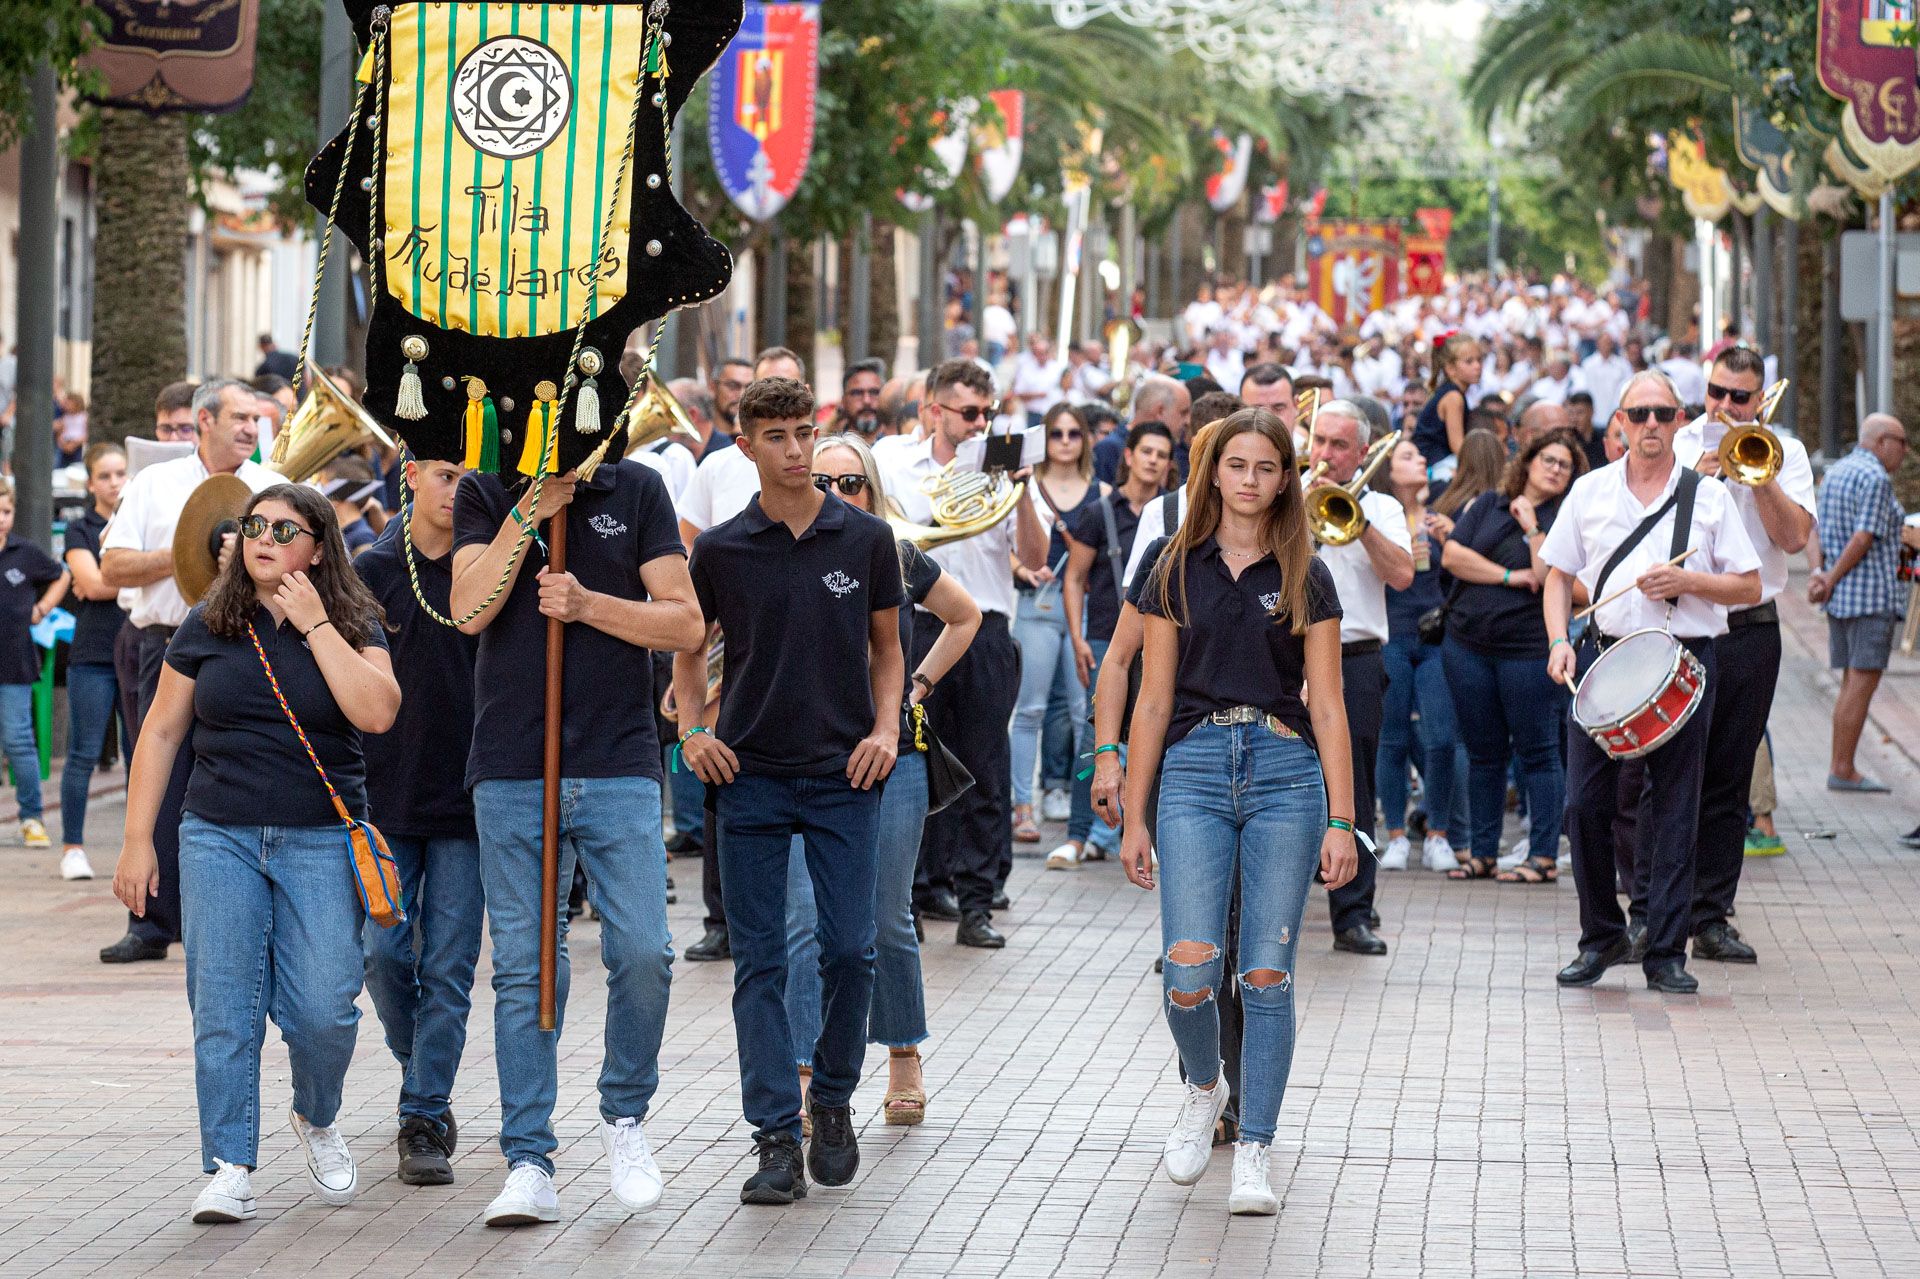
(1156, 399)
(136, 555)
(1363, 569)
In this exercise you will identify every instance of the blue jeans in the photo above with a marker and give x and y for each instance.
(23, 752)
(757, 818)
(1237, 801)
(420, 973)
(897, 1015)
(1416, 679)
(271, 922)
(1040, 629)
(1083, 823)
(92, 691)
(612, 826)
(1518, 714)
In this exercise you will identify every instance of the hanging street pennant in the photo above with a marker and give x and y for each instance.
(504, 174)
(1436, 223)
(1353, 267)
(1763, 148)
(1704, 188)
(1863, 62)
(1272, 203)
(760, 106)
(949, 149)
(997, 143)
(1316, 205)
(175, 55)
(1229, 175)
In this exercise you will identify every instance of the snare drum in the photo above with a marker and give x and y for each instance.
(1639, 693)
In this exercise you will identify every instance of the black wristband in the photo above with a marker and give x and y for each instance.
(328, 621)
(921, 679)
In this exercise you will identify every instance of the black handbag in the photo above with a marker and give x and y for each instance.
(947, 778)
(1432, 626)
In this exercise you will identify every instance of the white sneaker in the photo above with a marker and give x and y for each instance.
(636, 1177)
(1437, 854)
(1190, 1145)
(1056, 805)
(1515, 855)
(74, 863)
(33, 833)
(1395, 855)
(228, 1197)
(527, 1198)
(1065, 857)
(330, 1164)
(1251, 1196)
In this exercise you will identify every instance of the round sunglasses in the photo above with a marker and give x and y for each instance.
(253, 527)
(849, 485)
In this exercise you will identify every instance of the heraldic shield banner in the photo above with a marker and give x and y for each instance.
(1353, 268)
(760, 107)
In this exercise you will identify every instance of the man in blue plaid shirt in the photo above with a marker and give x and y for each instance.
(1859, 523)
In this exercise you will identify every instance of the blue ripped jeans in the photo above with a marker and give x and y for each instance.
(1244, 801)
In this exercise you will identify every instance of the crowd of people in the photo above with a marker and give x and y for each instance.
(1242, 603)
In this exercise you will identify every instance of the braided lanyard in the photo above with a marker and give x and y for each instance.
(339, 806)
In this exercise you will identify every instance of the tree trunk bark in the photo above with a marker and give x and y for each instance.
(883, 315)
(1683, 293)
(141, 204)
(803, 322)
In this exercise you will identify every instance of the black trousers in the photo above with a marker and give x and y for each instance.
(1629, 794)
(162, 921)
(1669, 816)
(1364, 677)
(1747, 661)
(126, 669)
(967, 843)
(710, 871)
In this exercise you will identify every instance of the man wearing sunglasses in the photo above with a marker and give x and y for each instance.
(968, 846)
(1778, 517)
(136, 555)
(1675, 537)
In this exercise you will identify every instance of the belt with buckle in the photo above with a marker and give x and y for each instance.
(1251, 715)
(1758, 615)
(1355, 648)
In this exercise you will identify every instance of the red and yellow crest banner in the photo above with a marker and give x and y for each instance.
(1353, 267)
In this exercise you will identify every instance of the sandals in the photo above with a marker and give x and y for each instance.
(1025, 830)
(1474, 868)
(905, 1107)
(1534, 870)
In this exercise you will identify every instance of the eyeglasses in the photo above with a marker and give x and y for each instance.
(1717, 392)
(167, 432)
(971, 414)
(1068, 435)
(1554, 463)
(253, 527)
(1661, 413)
(849, 485)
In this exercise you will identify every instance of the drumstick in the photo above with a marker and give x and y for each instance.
(1623, 590)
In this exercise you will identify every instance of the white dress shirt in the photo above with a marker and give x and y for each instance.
(1600, 511)
(1796, 481)
(1363, 596)
(1037, 385)
(1688, 378)
(149, 510)
(675, 463)
(983, 564)
(1153, 525)
(720, 489)
(1606, 376)
(1227, 368)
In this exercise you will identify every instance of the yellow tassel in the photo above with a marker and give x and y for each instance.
(533, 450)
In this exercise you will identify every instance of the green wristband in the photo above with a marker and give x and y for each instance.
(1340, 823)
(1506, 576)
(1560, 639)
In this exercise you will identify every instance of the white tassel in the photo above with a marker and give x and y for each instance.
(586, 408)
(409, 403)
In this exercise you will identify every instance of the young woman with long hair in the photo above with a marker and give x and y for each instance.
(1442, 427)
(898, 1017)
(93, 686)
(1255, 782)
(1482, 462)
(1065, 485)
(271, 915)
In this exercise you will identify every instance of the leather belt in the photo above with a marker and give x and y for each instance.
(164, 632)
(1359, 647)
(1251, 715)
(1759, 615)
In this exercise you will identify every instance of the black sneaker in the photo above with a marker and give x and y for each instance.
(833, 1156)
(131, 949)
(424, 1152)
(782, 1177)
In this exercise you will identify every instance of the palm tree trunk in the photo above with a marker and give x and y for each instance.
(803, 322)
(883, 306)
(141, 204)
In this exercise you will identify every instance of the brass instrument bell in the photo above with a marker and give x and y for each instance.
(1334, 516)
(657, 414)
(965, 504)
(325, 424)
(1750, 453)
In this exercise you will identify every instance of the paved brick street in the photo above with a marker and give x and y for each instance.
(1452, 1112)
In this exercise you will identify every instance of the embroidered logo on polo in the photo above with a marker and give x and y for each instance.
(840, 584)
(606, 526)
(511, 97)
(15, 577)
(1269, 600)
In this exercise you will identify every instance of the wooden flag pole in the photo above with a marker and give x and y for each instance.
(550, 788)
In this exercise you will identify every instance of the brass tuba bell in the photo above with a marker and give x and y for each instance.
(965, 504)
(325, 424)
(657, 414)
(1750, 453)
(1334, 516)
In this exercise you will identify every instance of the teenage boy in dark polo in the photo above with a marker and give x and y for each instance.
(421, 974)
(808, 591)
(625, 592)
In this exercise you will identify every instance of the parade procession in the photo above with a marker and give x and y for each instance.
(915, 547)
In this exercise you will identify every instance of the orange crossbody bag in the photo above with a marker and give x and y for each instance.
(375, 874)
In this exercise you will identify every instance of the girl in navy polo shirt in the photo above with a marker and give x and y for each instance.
(1239, 614)
(92, 684)
(31, 584)
(269, 910)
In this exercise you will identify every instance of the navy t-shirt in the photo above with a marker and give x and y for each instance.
(797, 697)
(616, 523)
(416, 770)
(249, 768)
(1503, 621)
(25, 573)
(1430, 430)
(358, 536)
(1233, 650)
(1064, 522)
(1428, 591)
(921, 575)
(96, 623)
(1090, 529)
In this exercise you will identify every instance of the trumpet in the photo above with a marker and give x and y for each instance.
(1750, 453)
(1334, 516)
(1308, 402)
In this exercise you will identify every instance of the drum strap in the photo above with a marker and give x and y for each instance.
(1682, 497)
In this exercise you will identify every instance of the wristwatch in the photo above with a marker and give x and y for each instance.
(923, 681)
